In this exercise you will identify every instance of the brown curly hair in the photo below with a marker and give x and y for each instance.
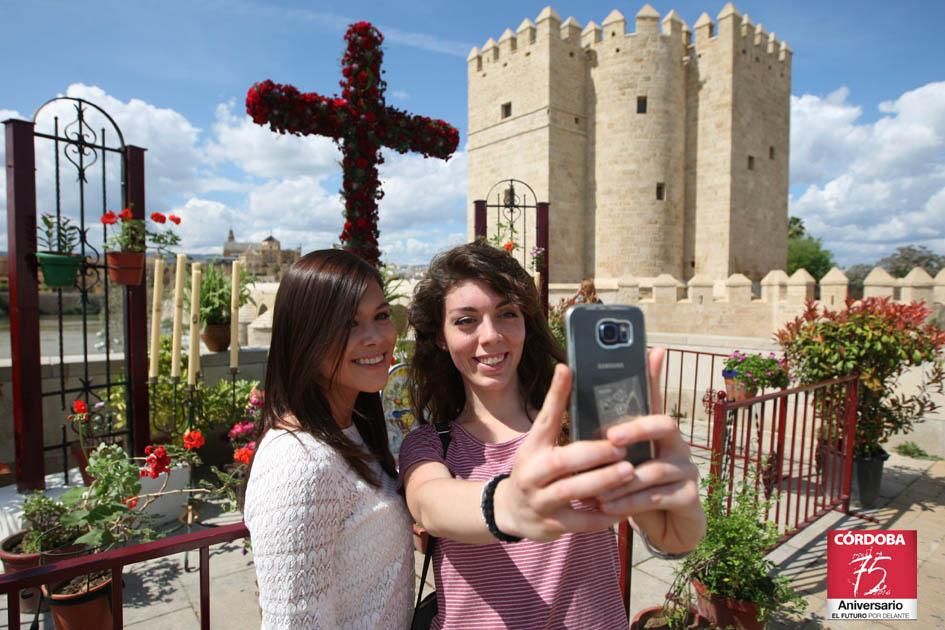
(437, 388)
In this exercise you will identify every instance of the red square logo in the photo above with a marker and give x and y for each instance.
(871, 574)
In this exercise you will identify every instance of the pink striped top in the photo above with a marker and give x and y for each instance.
(572, 582)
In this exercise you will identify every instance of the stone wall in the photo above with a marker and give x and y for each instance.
(742, 309)
(215, 366)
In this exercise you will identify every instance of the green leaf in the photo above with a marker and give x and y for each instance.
(73, 496)
(75, 517)
(92, 538)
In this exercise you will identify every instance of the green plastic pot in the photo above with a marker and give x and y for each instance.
(59, 270)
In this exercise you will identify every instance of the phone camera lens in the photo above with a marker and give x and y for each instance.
(609, 333)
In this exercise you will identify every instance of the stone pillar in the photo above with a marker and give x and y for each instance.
(879, 284)
(666, 289)
(628, 290)
(774, 286)
(917, 286)
(939, 288)
(800, 287)
(833, 288)
(738, 288)
(700, 290)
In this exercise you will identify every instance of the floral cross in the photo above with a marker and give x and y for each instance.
(361, 123)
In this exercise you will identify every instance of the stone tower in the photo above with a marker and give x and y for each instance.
(660, 151)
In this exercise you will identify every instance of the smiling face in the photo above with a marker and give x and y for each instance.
(366, 357)
(485, 334)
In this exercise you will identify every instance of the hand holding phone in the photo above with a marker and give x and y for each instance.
(607, 354)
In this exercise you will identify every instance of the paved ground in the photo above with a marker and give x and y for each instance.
(162, 594)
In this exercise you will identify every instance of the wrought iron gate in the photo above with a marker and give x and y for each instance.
(89, 150)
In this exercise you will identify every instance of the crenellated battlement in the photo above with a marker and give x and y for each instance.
(742, 33)
(733, 307)
(548, 29)
(658, 153)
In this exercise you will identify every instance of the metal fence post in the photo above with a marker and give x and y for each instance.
(24, 306)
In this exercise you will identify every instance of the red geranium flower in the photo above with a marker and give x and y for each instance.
(173, 218)
(243, 455)
(131, 502)
(193, 439)
(157, 217)
(509, 246)
(79, 406)
(157, 461)
(126, 215)
(109, 218)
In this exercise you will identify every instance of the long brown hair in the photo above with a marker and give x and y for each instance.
(437, 387)
(317, 299)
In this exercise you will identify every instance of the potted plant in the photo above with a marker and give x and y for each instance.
(93, 424)
(125, 249)
(113, 510)
(58, 239)
(44, 532)
(215, 294)
(878, 340)
(735, 585)
(217, 405)
(747, 374)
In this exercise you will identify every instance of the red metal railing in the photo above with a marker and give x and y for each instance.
(691, 380)
(791, 444)
(114, 561)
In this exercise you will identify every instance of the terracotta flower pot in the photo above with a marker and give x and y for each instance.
(12, 562)
(652, 618)
(216, 337)
(125, 268)
(89, 607)
(724, 612)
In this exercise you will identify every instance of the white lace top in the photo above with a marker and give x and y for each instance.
(331, 551)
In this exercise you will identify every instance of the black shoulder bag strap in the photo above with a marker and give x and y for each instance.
(442, 430)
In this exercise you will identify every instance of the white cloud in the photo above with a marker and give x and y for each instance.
(869, 187)
(262, 153)
(5, 114)
(243, 176)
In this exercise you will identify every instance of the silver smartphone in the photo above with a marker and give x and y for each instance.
(607, 355)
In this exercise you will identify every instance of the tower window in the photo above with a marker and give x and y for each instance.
(660, 191)
(770, 153)
(506, 110)
(751, 162)
(641, 104)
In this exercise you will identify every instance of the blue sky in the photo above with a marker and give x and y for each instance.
(868, 113)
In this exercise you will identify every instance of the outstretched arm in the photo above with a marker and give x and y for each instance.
(536, 500)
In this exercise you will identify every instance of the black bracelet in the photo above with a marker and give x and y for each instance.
(488, 509)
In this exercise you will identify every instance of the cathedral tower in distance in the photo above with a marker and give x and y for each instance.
(661, 150)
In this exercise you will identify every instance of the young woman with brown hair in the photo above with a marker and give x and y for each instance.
(485, 362)
(331, 535)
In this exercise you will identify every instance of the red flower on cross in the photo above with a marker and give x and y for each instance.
(359, 121)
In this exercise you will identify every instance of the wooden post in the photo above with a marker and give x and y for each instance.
(136, 316)
(543, 241)
(480, 221)
(24, 306)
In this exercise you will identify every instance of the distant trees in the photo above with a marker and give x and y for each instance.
(906, 258)
(806, 251)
